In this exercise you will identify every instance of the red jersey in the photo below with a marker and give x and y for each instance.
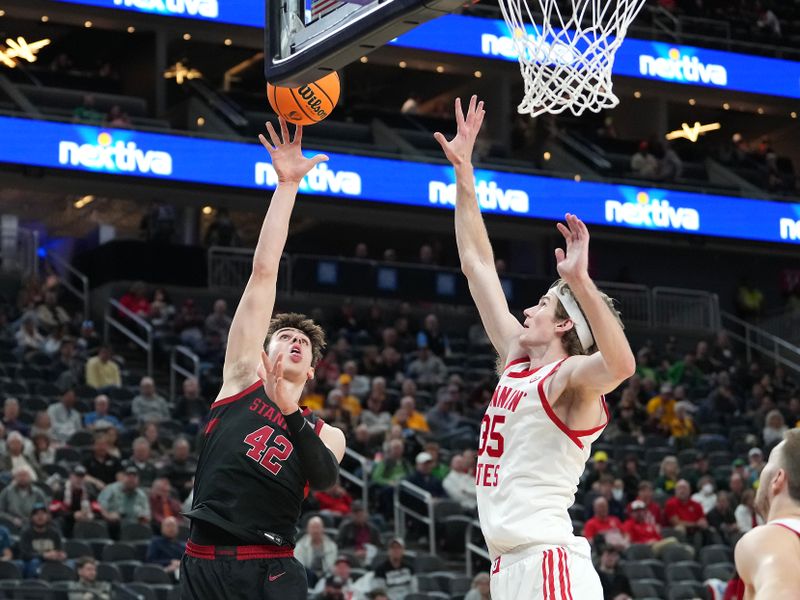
(596, 525)
(654, 510)
(689, 511)
(640, 533)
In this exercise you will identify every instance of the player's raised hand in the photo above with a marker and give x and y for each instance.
(573, 264)
(286, 153)
(459, 150)
(278, 389)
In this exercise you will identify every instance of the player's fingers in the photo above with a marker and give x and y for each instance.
(276, 141)
(459, 114)
(583, 228)
(564, 231)
(473, 101)
(265, 143)
(298, 134)
(266, 362)
(315, 160)
(284, 130)
(279, 367)
(441, 139)
(560, 256)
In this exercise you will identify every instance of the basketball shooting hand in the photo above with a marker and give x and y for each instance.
(287, 156)
(459, 150)
(573, 265)
(278, 389)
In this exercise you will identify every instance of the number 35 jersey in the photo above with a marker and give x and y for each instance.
(529, 463)
(249, 480)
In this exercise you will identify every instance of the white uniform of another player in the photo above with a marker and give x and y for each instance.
(529, 466)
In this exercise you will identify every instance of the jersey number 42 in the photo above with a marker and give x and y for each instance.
(271, 457)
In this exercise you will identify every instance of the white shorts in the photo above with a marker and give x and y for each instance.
(545, 572)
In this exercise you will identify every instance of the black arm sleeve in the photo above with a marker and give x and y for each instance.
(319, 464)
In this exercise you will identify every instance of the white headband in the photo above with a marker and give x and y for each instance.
(574, 311)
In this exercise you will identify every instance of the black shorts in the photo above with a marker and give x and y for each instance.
(240, 572)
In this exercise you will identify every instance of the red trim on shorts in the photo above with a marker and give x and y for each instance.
(241, 552)
(786, 527)
(573, 434)
(235, 397)
(550, 578)
(561, 573)
(544, 576)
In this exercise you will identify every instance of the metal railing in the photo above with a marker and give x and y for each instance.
(175, 368)
(144, 341)
(758, 340)
(363, 481)
(471, 547)
(19, 249)
(401, 511)
(678, 308)
(633, 301)
(72, 280)
(231, 268)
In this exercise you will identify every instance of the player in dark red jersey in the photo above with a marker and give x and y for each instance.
(260, 451)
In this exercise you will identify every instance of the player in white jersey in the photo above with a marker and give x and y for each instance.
(768, 557)
(548, 407)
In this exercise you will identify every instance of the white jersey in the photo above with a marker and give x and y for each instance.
(790, 524)
(529, 463)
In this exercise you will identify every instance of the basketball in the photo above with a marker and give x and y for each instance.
(307, 104)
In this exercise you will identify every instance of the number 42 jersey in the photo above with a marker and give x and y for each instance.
(249, 480)
(529, 463)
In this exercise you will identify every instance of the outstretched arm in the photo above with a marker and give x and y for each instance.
(603, 371)
(251, 320)
(474, 248)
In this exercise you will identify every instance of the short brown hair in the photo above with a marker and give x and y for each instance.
(302, 323)
(790, 461)
(570, 341)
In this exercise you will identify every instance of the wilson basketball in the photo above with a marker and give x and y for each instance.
(307, 104)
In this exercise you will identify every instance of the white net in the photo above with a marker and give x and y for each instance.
(566, 51)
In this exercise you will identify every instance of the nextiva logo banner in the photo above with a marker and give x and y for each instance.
(235, 12)
(490, 38)
(352, 178)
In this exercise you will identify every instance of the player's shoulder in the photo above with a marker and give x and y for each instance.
(765, 539)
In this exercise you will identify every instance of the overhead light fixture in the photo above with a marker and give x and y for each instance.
(201, 121)
(760, 110)
(577, 178)
(637, 94)
(402, 64)
(45, 18)
(440, 69)
(546, 155)
(693, 132)
(180, 73)
(83, 201)
(207, 210)
(793, 114)
(187, 36)
(364, 59)
(726, 106)
(131, 29)
(88, 24)
(20, 48)
(692, 101)
(478, 74)
(2, 13)
(228, 41)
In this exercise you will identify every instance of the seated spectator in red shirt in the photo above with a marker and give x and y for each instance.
(135, 300)
(645, 495)
(335, 500)
(601, 521)
(163, 504)
(683, 512)
(639, 528)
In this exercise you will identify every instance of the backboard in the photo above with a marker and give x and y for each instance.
(307, 39)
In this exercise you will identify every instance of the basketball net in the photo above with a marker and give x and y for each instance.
(566, 60)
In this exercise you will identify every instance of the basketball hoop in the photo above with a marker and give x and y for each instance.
(566, 60)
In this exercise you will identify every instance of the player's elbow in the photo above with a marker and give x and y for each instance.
(264, 272)
(625, 369)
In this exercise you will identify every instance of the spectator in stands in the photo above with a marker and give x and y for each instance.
(348, 402)
(219, 321)
(661, 408)
(460, 485)
(315, 550)
(615, 583)
(423, 476)
(705, 495)
(88, 339)
(746, 515)
(67, 369)
(29, 339)
(668, 474)
(359, 384)
(375, 417)
(682, 429)
(43, 451)
(117, 117)
(630, 477)
(756, 464)
(736, 487)
(396, 574)
(442, 418)
(87, 112)
(101, 370)
(338, 583)
(685, 514)
(11, 417)
(311, 397)
(140, 458)
(362, 443)
(75, 502)
(152, 434)
(162, 311)
(49, 314)
(191, 408)
(100, 418)
(148, 405)
(426, 256)
(387, 473)
(700, 468)
(601, 522)
(41, 424)
(639, 528)
(774, 428)
(749, 300)
(136, 301)
(101, 466)
(15, 456)
(52, 342)
(643, 163)
(124, 501)
(163, 505)
(335, 500)
(409, 418)
(596, 469)
(479, 589)
(722, 518)
(166, 550)
(768, 24)
(357, 532)
(88, 587)
(64, 417)
(432, 337)
(222, 230)
(180, 469)
(427, 369)
(40, 541)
